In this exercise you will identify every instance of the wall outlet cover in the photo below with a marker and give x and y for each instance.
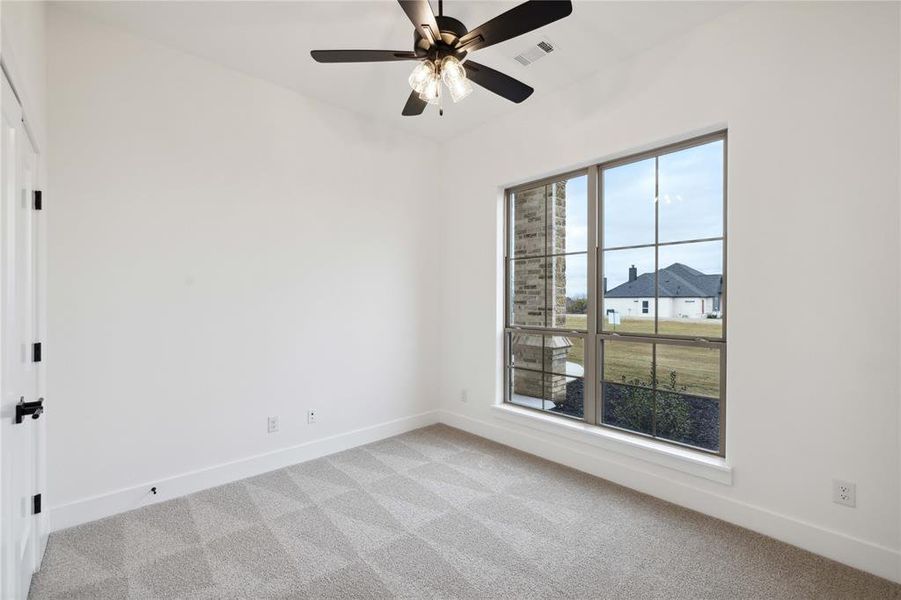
(844, 493)
(272, 425)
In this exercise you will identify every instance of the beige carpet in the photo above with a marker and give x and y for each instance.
(435, 513)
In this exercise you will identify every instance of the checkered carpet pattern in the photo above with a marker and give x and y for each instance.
(434, 513)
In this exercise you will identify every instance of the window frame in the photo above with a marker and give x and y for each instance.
(593, 336)
(510, 258)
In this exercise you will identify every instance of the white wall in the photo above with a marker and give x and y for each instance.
(631, 307)
(690, 307)
(810, 95)
(220, 250)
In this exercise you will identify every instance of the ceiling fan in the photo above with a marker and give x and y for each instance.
(441, 46)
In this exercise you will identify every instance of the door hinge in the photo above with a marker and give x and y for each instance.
(36, 504)
(38, 200)
(36, 352)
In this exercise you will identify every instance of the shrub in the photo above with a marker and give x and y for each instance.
(636, 411)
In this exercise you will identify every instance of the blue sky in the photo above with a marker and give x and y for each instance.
(690, 207)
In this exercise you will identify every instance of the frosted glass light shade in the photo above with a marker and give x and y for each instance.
(454, 76)
(451, 70)
(432, 90)
(459, 89)
(421, 75)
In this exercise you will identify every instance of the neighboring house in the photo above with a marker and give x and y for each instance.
(684, 293)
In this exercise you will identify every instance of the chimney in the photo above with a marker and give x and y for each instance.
(633, 273)
(605, 285)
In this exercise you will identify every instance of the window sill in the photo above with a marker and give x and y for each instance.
(713, 468)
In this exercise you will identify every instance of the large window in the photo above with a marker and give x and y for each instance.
(615, 294)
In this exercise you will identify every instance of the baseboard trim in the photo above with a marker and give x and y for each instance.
(119, 501)
(860, 554)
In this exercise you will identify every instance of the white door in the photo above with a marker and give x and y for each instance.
(22, 533)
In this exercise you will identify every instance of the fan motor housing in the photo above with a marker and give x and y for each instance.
(451, 31)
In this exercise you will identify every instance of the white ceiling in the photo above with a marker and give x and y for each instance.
(272, 40)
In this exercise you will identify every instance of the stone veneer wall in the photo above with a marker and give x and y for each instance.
(539, 290)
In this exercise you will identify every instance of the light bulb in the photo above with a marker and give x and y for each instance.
(421, 75)
(451, 70)
(431, 90)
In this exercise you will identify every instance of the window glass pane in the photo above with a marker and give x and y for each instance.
(683, 408)
(691, 193)
(688, 370)
(546, 391)
(628, 285)
(628, 363)
(567, 215)
(568, 286)
(628, 397)
(690, 290)
(550, 219)
(564, 354)
(628, 407)
(527, 222)
(565, 395)
(629, 204)
(527, 292)
(561, 354)
(526, 351)
(687, 419)
(688, 389)
(527, 389)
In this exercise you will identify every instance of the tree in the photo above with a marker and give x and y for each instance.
(577, 305)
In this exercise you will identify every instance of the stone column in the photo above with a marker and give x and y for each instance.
(539, 290)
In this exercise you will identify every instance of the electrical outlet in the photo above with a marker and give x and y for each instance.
(844, 492)
(272, 426)
(464, 395)
(311, 417)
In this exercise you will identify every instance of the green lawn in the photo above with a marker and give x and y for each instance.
(705, 328)
(577, 352)
(696, 369)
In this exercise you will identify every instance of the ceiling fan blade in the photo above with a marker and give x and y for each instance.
(518, 20)
(420, 14)
(495, 81)
(350, 56)
(414, 105)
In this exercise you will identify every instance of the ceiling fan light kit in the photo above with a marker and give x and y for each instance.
(441, 46)
(427, 76)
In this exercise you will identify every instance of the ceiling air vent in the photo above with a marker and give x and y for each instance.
(533, 53)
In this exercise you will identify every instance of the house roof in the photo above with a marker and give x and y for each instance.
(676, 281)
